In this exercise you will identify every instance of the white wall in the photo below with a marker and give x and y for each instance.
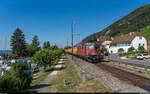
(115, 49)
(136, 41)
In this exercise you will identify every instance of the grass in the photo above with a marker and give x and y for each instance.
(145, 72)
(71, 76)
(41, 76)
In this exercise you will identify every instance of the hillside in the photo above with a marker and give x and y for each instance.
(146, 32)
(133, 22)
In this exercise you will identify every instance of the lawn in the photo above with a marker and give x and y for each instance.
(75, 84)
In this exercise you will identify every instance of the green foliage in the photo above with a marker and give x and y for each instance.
(146, 32)
(103, 49)
(131, 50)
(10, 83)
(46, 45)
(121, 50)
(31, 50)
(138, 19)
(54, 47)
(35, 42)
(141, 49)
(67, 47)
(17, 79)
(46, 57)
(18, 43)
(20, 71)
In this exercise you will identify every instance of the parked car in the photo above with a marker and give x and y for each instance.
(143, 56)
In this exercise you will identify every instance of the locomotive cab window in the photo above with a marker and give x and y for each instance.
(87, 47)
(91, 47)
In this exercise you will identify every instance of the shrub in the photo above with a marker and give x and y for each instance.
(141, 49)
(121, 50)
(10, 83)
(46, 57)
(20, 71)
(131, 50)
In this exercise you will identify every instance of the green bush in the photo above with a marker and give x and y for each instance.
(19, 70)
(141, 49)
(10, 83)
(46, 57)
(17, 79)
(131, 50)
(121, 50)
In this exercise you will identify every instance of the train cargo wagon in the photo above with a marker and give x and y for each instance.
(70, 51)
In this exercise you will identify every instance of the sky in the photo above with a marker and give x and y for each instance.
(51, 19)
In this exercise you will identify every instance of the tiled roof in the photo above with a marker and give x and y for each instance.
(125, 38)
(104, 38)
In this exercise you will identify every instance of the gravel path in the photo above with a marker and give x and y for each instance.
(90, 71)
(45, 85)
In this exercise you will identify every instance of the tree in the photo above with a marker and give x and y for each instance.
(44, 45)
(18, 43)
(121, 50)
(48, 44)
(31, 50)
(131, 50)
(35, 42)
(54, 47)
(141, 49)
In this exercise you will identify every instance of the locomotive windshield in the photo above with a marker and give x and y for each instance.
(89, 47)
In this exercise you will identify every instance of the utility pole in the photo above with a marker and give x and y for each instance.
(67, 41)
(72, 38)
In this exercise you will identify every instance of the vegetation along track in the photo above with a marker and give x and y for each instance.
(128, 77)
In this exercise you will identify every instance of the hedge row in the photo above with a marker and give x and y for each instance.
(46, 57)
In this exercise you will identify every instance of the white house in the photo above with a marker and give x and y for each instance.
(105, 41)
(133, 39)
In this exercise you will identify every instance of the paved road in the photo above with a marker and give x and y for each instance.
(138, 62)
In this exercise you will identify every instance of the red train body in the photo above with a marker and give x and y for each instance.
(89, 51)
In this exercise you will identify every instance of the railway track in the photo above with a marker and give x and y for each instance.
(126, 76)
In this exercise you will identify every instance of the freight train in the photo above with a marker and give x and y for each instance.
(88, 51)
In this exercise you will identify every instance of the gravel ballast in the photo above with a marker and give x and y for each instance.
(89, 71)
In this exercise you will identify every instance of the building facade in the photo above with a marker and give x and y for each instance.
(148, 46)
(104, 41)
(133, 39)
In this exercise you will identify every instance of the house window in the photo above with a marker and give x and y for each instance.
(139, 44)
(143, 44)
(140, 37)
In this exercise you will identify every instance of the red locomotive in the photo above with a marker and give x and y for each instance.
(89, 51)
